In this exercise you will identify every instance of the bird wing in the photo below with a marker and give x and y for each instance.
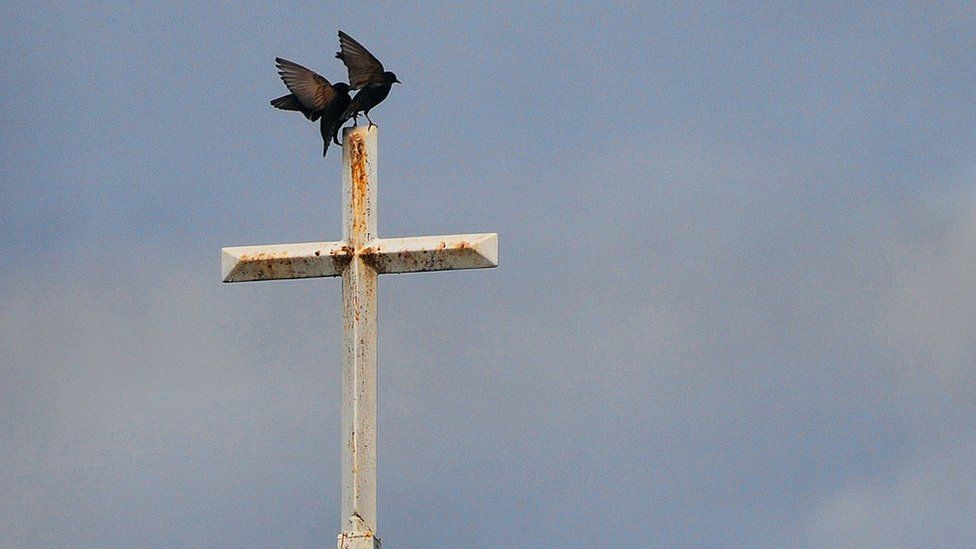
(291, 103)
(364, 69)
(314, 91)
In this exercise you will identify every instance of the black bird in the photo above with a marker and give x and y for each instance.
(366, 74)
(313, 96)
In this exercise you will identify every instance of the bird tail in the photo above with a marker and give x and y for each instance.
(326, 130)
(291, 103)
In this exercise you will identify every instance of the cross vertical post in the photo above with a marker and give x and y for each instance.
(359, 258)
(359, 163)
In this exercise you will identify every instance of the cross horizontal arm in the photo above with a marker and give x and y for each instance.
(433, 253)
(281, 261)
(386, 255)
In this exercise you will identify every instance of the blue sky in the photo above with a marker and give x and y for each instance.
(734, 308)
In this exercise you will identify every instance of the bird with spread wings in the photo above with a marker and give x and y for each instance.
(313, 96)
(367, 75)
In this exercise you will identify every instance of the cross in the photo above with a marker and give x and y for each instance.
(358, 258)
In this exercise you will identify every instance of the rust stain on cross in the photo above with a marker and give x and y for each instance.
(360, 188)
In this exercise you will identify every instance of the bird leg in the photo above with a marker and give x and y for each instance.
(366, 114)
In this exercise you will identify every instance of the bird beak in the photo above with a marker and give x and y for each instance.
(398, 82)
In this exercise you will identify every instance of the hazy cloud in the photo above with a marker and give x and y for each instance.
(733, 306)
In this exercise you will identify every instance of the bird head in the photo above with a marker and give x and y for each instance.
(341, 87)
(390, 78)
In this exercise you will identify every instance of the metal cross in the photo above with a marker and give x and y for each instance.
(359, 257)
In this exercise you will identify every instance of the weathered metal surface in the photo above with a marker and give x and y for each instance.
(359, 336)
(359, 394)
(359, 258)
(432, 253)
(385, 255)
(365, 540)
(281, 261)
(359, 162)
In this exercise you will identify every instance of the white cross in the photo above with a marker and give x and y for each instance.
(359, 257)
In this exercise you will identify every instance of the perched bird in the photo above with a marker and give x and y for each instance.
(314, 97)
(366, 74)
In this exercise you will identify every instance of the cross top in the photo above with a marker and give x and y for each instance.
(359, 258)
(386, 255)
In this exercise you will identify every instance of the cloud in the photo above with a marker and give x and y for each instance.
(926, 332)
(923, 503)
(139, 403)
(732, 308)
